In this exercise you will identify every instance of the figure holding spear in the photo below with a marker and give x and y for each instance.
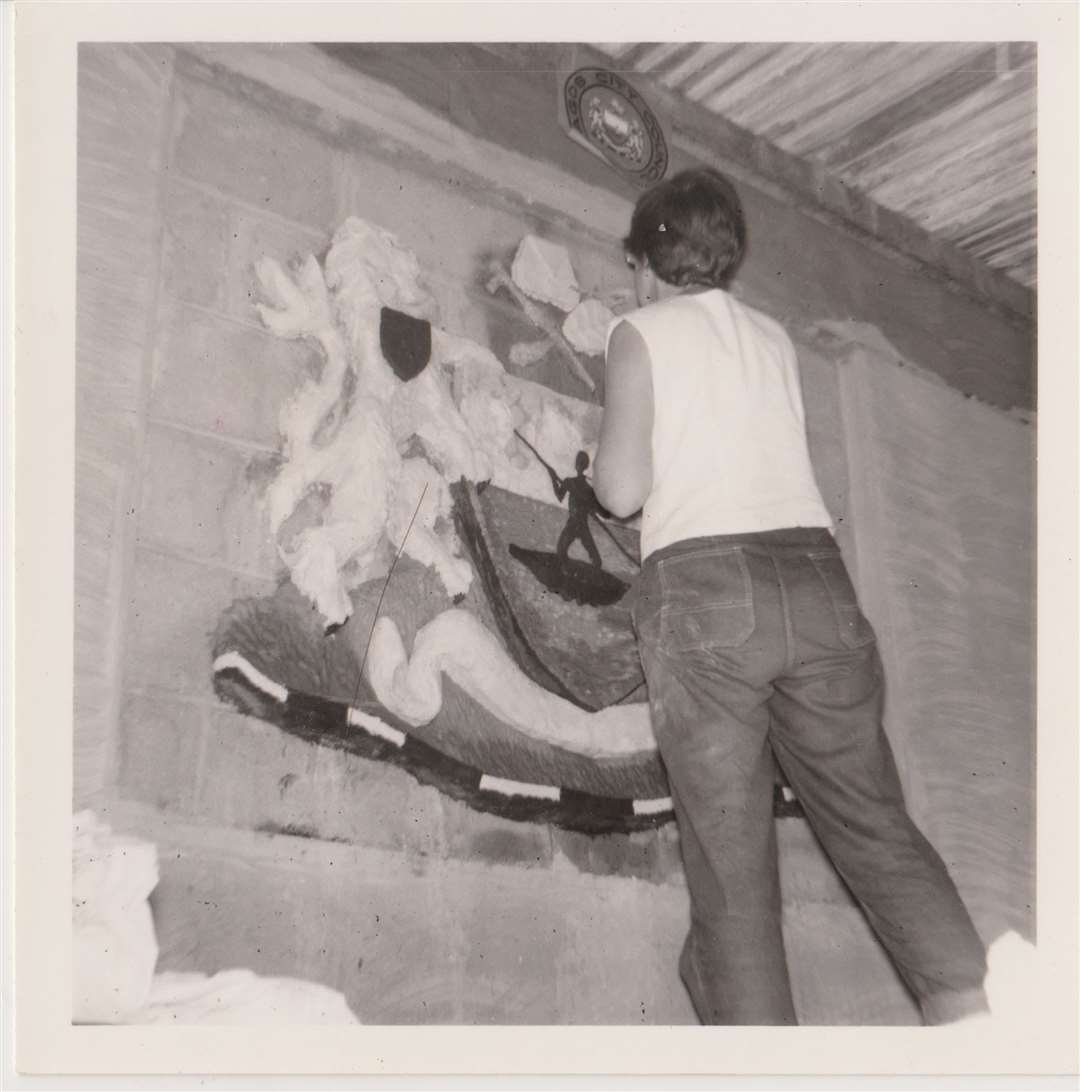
(582, 502)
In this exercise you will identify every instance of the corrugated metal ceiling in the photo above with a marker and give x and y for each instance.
(943, 133)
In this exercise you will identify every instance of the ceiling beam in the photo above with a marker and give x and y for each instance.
(705, 135)
(921, 104)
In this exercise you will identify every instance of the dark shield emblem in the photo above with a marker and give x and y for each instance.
(405, 342)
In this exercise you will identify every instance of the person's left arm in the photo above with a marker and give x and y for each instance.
(622, 474)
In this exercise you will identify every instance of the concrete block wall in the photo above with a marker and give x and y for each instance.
(185, 181)
(238, 181)
(418, 939)
(188, 174)
(943, 492)
(121, 122)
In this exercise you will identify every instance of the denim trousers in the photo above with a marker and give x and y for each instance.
(755, 652)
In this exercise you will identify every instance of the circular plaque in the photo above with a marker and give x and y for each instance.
(613, 120)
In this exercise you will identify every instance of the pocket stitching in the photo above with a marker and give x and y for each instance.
(725, 551)
(680, 611)
(846, 615)
(705, 551)
(667, 612)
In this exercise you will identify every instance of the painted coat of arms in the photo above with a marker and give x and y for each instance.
(608, 116)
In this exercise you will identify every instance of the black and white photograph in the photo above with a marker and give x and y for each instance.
(555, 535)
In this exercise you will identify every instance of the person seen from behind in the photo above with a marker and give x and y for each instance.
(753, 645)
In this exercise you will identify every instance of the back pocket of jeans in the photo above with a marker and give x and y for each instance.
(854, 627)
(706, 600)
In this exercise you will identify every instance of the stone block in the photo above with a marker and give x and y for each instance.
(99, 488)
(252, 237)
(806, 873)
(94, 694)
(258, 777)
(840, 974)
(223, 377)
(175, 608)
(399, 968)
(93, 733)
(451, 225)
(194, 253)
(205, 498)
(510, 930)
(635, 855)
(254, 775)
(118, 222)
(107, 437)
(160, 740)
(453, 944)
(377, 935)
(122, 101)
(99, 493)
(97, 611)
(111, 335)
(476, 836)
(212, 915)
(662, 941)
(618, 959)
(602, 976)
(116, 260)
(226, 141)
(92, 758)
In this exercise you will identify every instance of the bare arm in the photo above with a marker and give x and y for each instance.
(622, 475)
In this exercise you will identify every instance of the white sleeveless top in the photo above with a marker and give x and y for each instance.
(729, 450)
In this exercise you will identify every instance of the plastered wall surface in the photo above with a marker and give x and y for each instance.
(473, 918)
(943, 503)
(276, 854)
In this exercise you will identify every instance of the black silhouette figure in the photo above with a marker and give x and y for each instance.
(585, 583)
(583, 503)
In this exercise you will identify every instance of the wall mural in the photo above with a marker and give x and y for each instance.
(458, 602)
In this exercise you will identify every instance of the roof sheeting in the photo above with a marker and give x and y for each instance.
(941, 132)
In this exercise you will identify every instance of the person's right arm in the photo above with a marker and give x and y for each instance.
(622, 475)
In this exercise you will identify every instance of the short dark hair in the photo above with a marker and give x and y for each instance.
(690, 228)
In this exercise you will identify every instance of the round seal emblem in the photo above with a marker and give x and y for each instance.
(606, 114)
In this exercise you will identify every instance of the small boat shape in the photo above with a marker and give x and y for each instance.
(585, 584)
(567, 624)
